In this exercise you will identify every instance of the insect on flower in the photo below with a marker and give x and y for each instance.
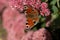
(32, 16)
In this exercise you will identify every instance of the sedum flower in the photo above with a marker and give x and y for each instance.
(19, 4)
(44, 9)
(41, 34)
(14, 23)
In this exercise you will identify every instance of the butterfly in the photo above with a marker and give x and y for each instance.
(32, 16)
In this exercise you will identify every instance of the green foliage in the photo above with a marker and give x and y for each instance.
(54, 5)
(53, 2)
(43, 0)
(54, 9)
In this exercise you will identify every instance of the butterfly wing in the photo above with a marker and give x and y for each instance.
(32, 16)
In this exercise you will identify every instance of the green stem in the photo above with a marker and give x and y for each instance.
(58, 3)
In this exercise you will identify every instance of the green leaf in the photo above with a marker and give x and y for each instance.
(42, 19)
(54, 16)
(35, 28)
(54, 9)
(53, 2)
(43, 25)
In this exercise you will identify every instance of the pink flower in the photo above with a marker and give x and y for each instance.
(28, 36)
(3, 3)
(19, 3)
(44, 5)
(45, 12)
(41, 34)
(14, 23)
(44, 9)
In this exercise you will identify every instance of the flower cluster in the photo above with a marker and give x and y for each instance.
(42, 7)
(40, 34)
(15, 22)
